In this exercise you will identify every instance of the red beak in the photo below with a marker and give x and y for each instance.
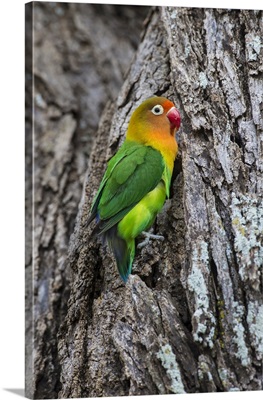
(174, 117)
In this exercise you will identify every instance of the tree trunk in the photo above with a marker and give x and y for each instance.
(77, 69)
(190, 317)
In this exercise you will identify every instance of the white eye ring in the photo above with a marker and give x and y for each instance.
(157, 110)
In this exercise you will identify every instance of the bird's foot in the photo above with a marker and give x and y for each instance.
(148, 236)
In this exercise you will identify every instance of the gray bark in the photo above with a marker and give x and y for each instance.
(190, 317)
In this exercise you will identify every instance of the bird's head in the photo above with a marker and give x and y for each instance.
(156, 116)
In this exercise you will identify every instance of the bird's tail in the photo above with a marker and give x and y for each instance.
(123, 252)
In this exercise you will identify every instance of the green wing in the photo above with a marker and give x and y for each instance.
(133, 172)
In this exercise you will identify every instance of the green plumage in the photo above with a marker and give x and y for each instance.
(130, 195)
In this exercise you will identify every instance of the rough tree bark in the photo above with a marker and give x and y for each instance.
(190, 317)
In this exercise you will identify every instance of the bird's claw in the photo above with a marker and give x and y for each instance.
(148, 236)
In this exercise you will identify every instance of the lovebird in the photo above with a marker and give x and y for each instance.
(137, 180)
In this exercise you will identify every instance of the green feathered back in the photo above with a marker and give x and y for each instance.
(133, 172)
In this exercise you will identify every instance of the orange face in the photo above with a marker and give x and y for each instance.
(154, 116)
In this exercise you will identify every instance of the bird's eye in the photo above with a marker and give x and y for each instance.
(157, 110)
